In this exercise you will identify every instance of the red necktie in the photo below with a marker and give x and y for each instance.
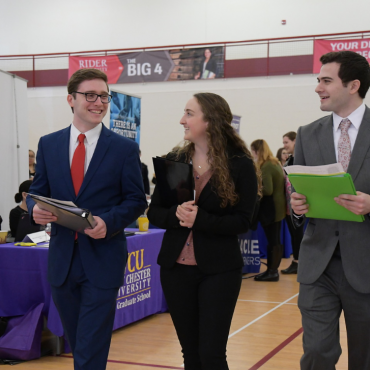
(78, 164)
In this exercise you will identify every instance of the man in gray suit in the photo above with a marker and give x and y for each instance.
(334, 259)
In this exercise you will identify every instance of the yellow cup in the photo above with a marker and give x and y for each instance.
(143, 223)
(3, 235)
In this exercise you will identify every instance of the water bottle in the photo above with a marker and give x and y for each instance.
(48, 229)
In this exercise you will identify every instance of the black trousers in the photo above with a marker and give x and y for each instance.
(321, 304)
(296, 234)
(272, 232)
(201, 308)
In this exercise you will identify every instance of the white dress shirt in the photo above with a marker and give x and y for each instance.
(90, 141)
(356, 118)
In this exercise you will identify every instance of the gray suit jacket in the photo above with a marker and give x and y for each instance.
(315, 147)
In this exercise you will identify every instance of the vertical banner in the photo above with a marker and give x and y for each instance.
(236, 123)
(250, 251)
(125, 115)
(360, 46)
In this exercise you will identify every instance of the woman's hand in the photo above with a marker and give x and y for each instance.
(186, 213)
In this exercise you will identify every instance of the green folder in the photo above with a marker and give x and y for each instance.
(320, 191)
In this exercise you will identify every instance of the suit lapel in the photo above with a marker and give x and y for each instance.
(100, 150)
(63, 150)
(325, 138)
(361, 145)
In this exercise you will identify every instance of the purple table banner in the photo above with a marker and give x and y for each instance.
(23, 277)
(249, 248)
(141, 295)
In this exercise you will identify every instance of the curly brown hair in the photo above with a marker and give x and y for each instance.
(221, 136)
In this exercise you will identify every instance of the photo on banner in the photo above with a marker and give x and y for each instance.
(125, 115)
(156, 66)
(321, 47)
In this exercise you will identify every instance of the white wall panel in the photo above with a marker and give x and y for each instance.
(44, 26)
(14, 141)
(269, 107)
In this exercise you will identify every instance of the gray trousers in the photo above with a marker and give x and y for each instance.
(321, 305)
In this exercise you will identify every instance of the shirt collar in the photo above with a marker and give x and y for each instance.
(355, 117)
(92, 135)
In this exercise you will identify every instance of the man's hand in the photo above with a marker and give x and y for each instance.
(99, 231)
(358, 204)
(298, 203)
(42, 217)
(187, 213)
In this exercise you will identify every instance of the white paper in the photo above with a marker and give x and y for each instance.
(329, 169)
(38, 237)
(42, 245)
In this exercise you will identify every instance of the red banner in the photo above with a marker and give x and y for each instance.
(109, 64)
(155, 66)
(360, 46)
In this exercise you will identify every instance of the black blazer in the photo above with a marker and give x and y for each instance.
(216, 229)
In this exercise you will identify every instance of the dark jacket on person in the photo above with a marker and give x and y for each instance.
(289, 161)
(14, 217)
(144, 173)
(274, 185)
(216, 229)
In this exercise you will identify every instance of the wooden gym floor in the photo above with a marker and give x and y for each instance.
(265, 334)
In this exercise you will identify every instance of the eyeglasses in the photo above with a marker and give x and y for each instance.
(91, 97)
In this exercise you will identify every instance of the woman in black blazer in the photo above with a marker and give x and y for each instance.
(200, 259)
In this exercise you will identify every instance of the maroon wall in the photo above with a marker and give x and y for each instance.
(276, 66)
(50, 77)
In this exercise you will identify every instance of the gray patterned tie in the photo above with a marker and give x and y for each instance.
(344, 144)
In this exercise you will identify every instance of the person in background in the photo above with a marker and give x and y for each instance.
(289, 143)
(31, 163)
(16, 213)
(200, 254)
(296, 233)
(282, 155)
(145, 174)
(272, 206)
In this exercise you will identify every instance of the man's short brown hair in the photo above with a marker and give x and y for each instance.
(353, 66)
(85, 74)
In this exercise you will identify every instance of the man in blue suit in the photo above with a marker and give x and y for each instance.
(99, 170)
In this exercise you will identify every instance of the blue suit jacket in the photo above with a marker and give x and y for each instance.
(112, 189)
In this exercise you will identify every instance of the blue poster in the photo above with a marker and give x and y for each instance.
(249, 248)
(125, 115)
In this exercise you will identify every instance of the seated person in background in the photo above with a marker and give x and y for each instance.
(31, 163)
(17, 212)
